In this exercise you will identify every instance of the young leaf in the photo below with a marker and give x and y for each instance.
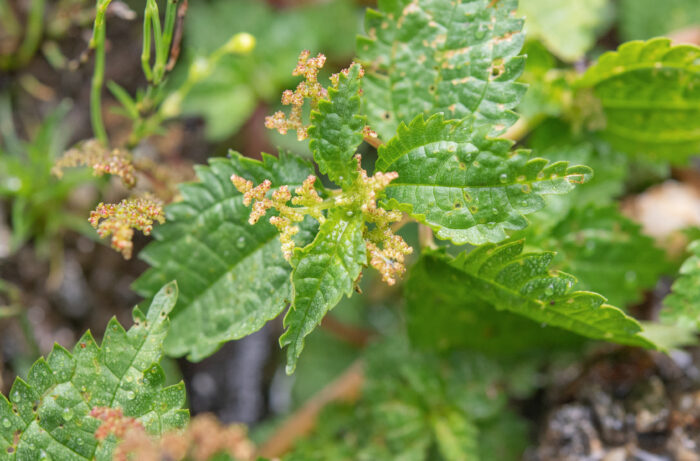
(504, 277)
(468, 187)
(568, 29)
(336, 129)
(607, 253)
(232, 276)
(455, 57)
(323, 272)
(650, 95)
(682, 306)
(47, 416)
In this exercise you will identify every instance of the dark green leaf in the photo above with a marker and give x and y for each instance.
(232, 276)
(510, 280)
(607, 253)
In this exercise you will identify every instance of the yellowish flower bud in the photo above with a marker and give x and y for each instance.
(241, 43)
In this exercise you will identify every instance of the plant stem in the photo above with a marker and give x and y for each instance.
(10, 24)
(167, 38)
(146, 50)
(345, 387)
(98, 44)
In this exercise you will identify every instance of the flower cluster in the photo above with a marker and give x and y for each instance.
(92, 153)
(306, 201)
(387, 250)
(203, 439)
(119, 220)
(310, 89)
(113, 423)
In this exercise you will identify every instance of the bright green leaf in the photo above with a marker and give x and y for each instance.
(324, 271)
(511, 280)
(336, 129)
(682, 306)
(455, 435)
(468, 187)
(569, 29)
(232, 276)
(455, 57)
(650, 97)
(47, 416)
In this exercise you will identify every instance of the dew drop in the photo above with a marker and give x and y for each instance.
(479, 34)
(17, 396)
(503, 178)
(67, 414)
(549, 291)
(79, 441)
(130, 395)
(6, 423)
(240, 243)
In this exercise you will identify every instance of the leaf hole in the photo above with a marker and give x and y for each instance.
(457, 205)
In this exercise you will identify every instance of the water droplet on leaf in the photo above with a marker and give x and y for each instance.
(67, 414)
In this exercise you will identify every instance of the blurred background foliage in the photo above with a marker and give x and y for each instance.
(419, 404)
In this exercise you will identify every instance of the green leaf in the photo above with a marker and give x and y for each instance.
(569, 29)
(455, 57)
(336, 129)
(324, 271)
(645, 19)
(650, 96)
(682, 306)
(416, 406)
(444, 313)
(232, 276)
(510, 280)
(47, 416)
(455, 435)
(468, 187)
(607, 253)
